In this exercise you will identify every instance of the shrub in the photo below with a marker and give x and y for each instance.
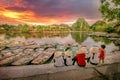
(109, 29)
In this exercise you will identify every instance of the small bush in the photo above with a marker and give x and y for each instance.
(109, 29)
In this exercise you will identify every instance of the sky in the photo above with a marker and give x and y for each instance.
(43, 12)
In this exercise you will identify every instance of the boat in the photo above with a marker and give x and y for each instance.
(27, 55)
(9, 60)
(5, 53)
(30, 54)
(44, 57)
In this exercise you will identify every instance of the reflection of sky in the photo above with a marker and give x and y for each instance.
(111, 47)
(89, 42)
(46, 40)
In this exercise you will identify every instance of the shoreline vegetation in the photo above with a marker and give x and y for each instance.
(79, 25)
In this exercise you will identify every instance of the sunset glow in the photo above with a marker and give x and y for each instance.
(12, 14)
(48, 11)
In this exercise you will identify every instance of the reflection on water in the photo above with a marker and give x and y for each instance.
(79, 36)
(62, 38)
(89, 42)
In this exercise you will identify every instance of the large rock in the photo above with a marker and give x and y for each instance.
(110, 72)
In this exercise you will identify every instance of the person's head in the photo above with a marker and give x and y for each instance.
(58, 53)
(75, 44)
(94, 50)
(103, 46)
(68, 45)
(82, 50)
(68, 53)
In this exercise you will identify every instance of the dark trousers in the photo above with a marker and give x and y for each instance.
(74, 60)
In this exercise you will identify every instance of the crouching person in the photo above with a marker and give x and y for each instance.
(94, 55)
(80, 57)
(68, 58)
(58, 59)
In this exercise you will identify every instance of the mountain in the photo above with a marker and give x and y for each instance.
(80, 25)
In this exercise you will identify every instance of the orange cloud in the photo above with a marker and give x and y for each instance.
(48, 11)
(19, 17)
(27, 17)
(16, 15)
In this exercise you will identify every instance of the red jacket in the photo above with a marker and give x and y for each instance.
(102, 53)
(81, 59)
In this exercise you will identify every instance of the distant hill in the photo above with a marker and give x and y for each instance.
(102, 26)
(98, 26)
(80, 25)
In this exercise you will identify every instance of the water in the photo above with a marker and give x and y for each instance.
(62, 38)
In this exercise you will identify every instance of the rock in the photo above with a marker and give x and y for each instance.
(109, 71)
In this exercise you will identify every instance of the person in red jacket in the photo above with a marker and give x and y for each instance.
(80, 57)
(102, 53)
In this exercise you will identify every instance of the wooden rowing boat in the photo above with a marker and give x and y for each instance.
(44, 57)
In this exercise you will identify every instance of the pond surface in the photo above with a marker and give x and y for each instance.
(62, 38)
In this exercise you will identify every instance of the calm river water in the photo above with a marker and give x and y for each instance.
(63, 38)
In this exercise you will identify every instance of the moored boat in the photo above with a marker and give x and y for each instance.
(44, 56)
(9, 60)
(5, 53)
(30, 54)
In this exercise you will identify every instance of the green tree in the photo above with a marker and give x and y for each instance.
(99, 26)
(110, 10)
(6, 27)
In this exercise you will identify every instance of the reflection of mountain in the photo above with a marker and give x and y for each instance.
(79, 36)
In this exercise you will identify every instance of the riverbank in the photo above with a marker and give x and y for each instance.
(108, 71)
(111, 36)
(105, 34)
